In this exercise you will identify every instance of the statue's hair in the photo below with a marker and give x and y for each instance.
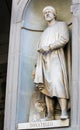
(49, 8)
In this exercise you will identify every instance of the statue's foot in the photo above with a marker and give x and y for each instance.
(47, 118)
(64, 116)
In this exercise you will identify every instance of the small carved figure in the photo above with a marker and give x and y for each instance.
(50, 72)
(40, 106)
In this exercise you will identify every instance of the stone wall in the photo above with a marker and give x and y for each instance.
(13, 78)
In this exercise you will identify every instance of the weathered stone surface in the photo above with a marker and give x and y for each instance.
(44, 124)
(13, 69)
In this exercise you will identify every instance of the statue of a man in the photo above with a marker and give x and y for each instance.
(50, 72)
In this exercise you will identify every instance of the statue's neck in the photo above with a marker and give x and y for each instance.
(50, 23)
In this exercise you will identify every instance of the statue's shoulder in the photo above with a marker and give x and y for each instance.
(62, 23)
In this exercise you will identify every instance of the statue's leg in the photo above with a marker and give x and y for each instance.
(50, 107)
(63, 105)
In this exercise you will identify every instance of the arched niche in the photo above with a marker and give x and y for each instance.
(32, 27)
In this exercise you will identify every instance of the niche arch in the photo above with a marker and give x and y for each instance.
(32, 28)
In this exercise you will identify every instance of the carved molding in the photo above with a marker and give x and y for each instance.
(21, 6)
(18, 1)
(75, 9)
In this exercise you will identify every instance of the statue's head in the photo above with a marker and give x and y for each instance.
(49, 13)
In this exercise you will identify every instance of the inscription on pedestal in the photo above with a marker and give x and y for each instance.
(44, 124)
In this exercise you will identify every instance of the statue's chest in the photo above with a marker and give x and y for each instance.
(50, 31)
(50, 35)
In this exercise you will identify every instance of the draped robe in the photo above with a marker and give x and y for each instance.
(51, 66)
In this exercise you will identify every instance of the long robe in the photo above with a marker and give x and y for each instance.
(51, 66)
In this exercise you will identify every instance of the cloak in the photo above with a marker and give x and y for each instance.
(51, 71)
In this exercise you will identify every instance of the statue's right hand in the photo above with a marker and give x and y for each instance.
(41, 50)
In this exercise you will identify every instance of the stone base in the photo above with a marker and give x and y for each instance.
(44, 124)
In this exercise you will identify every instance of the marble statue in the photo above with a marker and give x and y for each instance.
(50, 73)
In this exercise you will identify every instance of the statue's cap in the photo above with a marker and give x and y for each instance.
(51, 8)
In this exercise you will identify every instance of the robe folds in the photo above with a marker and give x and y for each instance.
(51, 70)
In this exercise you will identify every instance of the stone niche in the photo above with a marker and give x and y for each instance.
(32, 27)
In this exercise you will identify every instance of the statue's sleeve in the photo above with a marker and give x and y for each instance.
(63, 37)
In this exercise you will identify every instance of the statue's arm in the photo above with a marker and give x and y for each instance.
(58, 44)
(63, 38)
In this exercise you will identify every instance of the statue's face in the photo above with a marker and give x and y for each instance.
(49, 15)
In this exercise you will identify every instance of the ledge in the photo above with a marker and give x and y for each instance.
(44, 124)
